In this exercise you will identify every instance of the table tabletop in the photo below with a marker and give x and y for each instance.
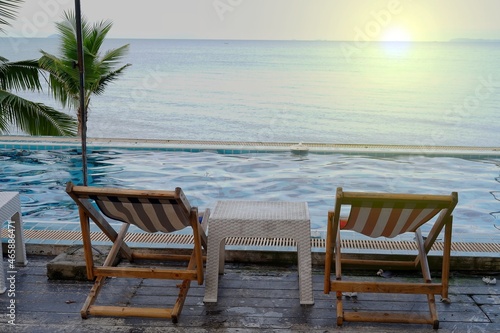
(5, 197)
(260, 211)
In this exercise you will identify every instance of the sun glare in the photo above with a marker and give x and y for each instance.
(396, 42)
(396, 34)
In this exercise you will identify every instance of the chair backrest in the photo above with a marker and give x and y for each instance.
(389, 215)
(152, 211)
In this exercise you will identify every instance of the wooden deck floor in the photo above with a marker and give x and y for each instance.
(251, 299)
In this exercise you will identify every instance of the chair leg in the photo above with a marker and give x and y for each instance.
(87, 244)
(328, 253)
(424, 265)
(179, 303)
(96, 288)
(340, 309)
(432, 308)
(197, 255)
(338, 274)
(338, 257)
(183, 291)
(445, 275)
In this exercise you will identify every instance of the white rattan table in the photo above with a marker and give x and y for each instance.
(259, 219)
(10, 210)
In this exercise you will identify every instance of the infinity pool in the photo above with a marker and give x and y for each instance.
(206, 177)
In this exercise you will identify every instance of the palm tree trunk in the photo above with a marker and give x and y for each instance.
(80, 119)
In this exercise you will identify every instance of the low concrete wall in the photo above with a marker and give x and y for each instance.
(67, 256)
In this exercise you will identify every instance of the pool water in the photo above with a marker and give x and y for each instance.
(207, 176)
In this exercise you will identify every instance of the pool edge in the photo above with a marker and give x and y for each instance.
(236, 147)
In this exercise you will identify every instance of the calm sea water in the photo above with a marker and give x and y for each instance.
(423, 93)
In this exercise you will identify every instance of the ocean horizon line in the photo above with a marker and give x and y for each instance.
(452, 40)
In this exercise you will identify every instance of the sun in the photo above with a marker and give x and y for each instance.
(396, 34)
(396, 42)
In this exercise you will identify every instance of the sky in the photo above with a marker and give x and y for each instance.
(349, 20)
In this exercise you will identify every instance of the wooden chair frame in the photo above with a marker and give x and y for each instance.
(194, 270)
(446, 204)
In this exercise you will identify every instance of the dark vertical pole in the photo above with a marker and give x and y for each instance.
(82, 108)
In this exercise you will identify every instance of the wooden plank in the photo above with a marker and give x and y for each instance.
(162, 257)
(442, 200)
(146, 273)
(103, 191)
(416, 318)
(386, 287)
(379, 263)
(129, 311)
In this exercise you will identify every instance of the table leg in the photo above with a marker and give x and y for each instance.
(215, 243)
(3, 288)
(222, 255)
(19, 236)
(305, 275)
(11, 210)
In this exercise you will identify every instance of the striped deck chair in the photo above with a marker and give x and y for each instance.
(388, 215)
(151, 211)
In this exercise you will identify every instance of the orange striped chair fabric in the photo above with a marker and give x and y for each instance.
(376, 218)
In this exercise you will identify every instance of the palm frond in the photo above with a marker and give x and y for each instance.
(33, 118)
(8, 11)
(63, 79)
(113, 56)
(68, 46)
(19, 75)
(100, 85)
(98, 35)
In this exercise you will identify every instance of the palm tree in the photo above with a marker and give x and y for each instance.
(29, 117)
(99, 70)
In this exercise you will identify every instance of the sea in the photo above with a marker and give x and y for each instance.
(422, 93)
